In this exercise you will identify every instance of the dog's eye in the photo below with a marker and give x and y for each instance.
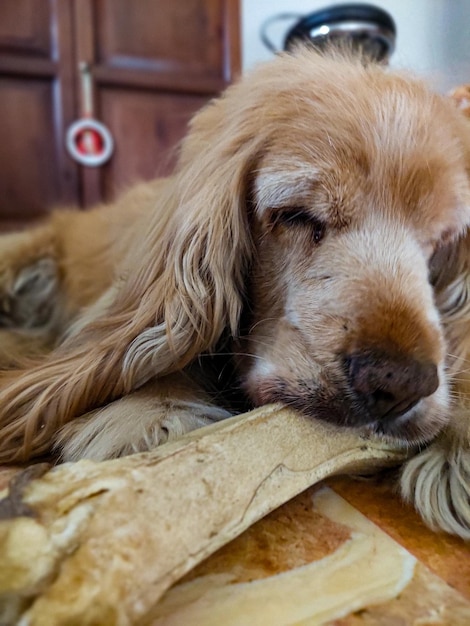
(300, 217)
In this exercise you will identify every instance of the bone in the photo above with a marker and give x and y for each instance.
(99, 543)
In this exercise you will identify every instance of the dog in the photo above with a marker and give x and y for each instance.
(315, 230)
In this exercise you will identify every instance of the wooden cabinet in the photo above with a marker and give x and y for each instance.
(37, 102)
(153, 63)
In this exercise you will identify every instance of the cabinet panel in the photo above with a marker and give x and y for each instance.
(160, 35)
(25, 27)
(146, 127)
(164, 60)
(32, 177)
(36, 105)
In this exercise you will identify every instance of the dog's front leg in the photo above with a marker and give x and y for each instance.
(160, 411)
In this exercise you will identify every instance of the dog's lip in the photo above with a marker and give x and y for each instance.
(407, 429)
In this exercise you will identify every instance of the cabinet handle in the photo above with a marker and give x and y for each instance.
(88, 141)
(86, 84)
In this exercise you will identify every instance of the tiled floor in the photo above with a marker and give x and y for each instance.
(347, 554)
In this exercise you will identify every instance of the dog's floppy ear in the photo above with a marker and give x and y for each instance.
(450, 264)
(436, 480)
(200, 290)
(183, 288)
(449, 271)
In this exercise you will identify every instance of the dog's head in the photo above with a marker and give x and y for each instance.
(316, 191)
(363, 178)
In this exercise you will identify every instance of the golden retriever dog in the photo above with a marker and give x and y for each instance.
(314, 236)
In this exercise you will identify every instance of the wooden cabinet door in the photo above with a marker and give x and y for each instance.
(36, 106)
(153, 63)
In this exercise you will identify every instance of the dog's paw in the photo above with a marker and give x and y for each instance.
(30, 300)
(129, 425)
(437, 482)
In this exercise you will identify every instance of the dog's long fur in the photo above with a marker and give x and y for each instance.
(313, 205)
(51, 273)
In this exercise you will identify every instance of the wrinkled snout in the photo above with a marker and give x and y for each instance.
(389, 386)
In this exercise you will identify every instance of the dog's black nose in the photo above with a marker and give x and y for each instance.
(390, 386)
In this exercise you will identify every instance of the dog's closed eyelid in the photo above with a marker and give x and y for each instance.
(292, 215)
(298, 216)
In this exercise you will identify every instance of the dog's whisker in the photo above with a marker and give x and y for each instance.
(232, 354)
(261, 321)
(257, 340)
(458, 358)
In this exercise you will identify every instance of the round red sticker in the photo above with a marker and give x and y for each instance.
(89, 142)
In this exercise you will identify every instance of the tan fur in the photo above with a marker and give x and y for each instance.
(461, 97)
(301, 222)
(51, 273)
